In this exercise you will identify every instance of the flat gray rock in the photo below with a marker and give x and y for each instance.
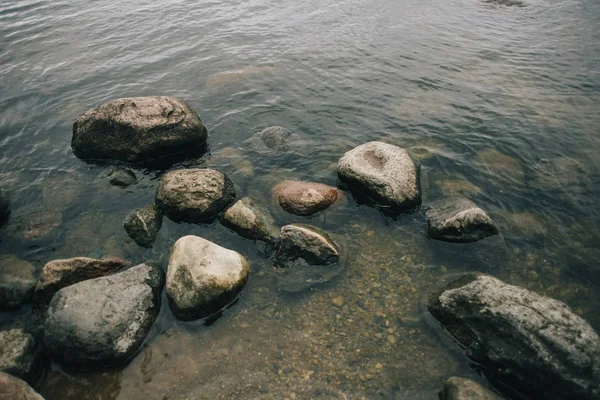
(203, 277)
(20, 355)
(384, 173)
(103, 321)
(140, 130)
(17, 281)
(457, 388)
(15, 389)
(458, 220)
(143, 225)
(194, 195)
(533, 344)
(249, 220)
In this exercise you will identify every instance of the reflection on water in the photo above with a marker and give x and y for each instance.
(498, 103)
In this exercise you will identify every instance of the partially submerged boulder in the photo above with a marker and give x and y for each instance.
(304, 198)
(306, 257)
(143, 224)
(249, 220)
(272, 138)
(459, 220)
(17, 281)
(457, 388)
(58, 274)
(138, 130)
(16, 389)
(103, 321)
(203, 277)
(384, 173)
(533, 344)
(20, 355)
(121, 177)
(194, 195)
(4, 207)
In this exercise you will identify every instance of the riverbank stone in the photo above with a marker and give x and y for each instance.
(457, 388)
(58, 274)
(203, 277)
(103, 321)
(533, 344)
(17, 282)
(4, 207)
(307, 256)
(304, 198)
(249, 220)
(384, 173)
(20, 355)
(194, 195)
(143, 224)
(16, 389)
(458, 220)
(139, 130)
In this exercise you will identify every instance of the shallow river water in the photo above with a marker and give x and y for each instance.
(500, 103)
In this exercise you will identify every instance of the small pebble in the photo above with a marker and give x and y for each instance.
(338, 301)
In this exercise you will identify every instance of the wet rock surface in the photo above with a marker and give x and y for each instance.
(250, 220)
(17, 281)
(4, 207)
(304, 198)
(533, 344)
(306, 257)
(143, 225)
(458, 220)
(457, 388)
(20, 355)
(194, 195)
(59, 274)
(14, 388)
(121, 177)
(272, 138)
(103, 321)
(203, 277)
(384, 173)
(142, 130)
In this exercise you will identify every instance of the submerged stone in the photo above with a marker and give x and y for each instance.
(14, 388)
(203, 277)
(500, 164)
(121, 177)
(194, 195)
(20, 355)
(141, 130)
(17, 281)
(103, 321)
(533, 344)
(143, 225)
(458, 220)
(457, 388)
(383, 172)
(304, 198)
(250, 221)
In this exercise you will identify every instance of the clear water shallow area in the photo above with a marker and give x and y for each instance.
(500, 103)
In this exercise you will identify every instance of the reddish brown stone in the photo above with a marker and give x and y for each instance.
(304, 198)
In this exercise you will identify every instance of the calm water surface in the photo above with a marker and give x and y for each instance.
(500, 104)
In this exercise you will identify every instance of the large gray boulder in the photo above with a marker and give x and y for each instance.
(17, 281)
(457, 388)
(4, 207)
(58, 274)
(384, 173)
(249, 220)
(143, 224)
(194, 195)
(138, 130)
(15, 389)
(533, 344)
(203, 277)
(20, 355)
(458, 220)
(304, 198)
(103, 321)
(307, 256)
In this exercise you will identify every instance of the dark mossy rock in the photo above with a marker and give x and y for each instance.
(121, 177)
(17, 282)
(4, 207)
(21, 356)
(143, 225)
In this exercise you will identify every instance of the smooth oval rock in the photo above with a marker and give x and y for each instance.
(194, 195)
(249, 220)
(4, 207)
(533, 344)
(20, 355)
(306, 257)
(458, 220)
(203, 277)
(457, 388)
(143, 225)
(58, 274)
(15, 389)
(17, 282)
(304, 198)
(384, 173)
(138, 130)
(103, 321)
